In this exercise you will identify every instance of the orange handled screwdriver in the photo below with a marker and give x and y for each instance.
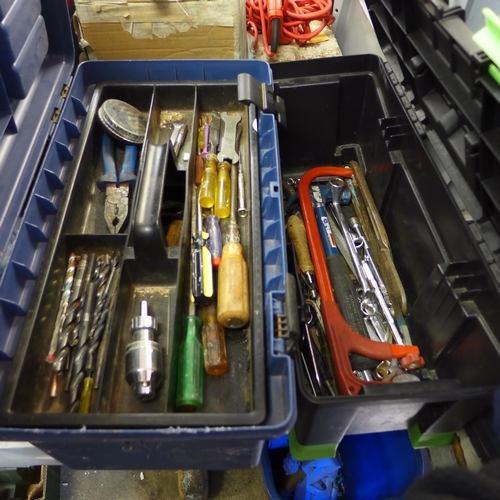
(214, 342)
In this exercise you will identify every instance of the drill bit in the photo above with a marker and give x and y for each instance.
(63, 306)
(81, 317)
(101, 330)
(92, 311)
(106, 286)
(81, 349)
(70, 323)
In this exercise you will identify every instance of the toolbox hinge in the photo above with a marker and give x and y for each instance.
(251, 91)
(60, 105)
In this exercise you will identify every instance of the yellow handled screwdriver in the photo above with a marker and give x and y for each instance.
(202, 277)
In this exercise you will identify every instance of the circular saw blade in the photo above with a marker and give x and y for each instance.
(123, 121)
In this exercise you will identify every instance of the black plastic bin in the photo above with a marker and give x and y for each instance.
(353, 108)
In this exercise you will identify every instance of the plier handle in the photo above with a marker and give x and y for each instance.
(115, 184)
(127, 171)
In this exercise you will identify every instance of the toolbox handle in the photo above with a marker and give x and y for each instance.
(147, 231)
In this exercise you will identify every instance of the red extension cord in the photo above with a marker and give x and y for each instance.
(294, 16)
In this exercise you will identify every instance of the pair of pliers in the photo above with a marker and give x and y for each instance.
(117, 187)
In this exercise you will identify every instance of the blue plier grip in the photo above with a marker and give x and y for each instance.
(127, 173)
(108, 163)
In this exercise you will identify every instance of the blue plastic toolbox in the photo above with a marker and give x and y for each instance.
(430, 160)
(255, 400)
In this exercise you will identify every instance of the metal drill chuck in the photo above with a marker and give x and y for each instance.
(143, 356)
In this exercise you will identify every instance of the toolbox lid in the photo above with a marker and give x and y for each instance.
(36, 61)
(441, 77)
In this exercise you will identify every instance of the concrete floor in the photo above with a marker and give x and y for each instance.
(161, 485)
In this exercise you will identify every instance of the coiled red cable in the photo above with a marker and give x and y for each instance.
(295, 25)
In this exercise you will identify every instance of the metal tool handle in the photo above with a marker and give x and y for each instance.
(108, 163)
(127, 172)
(229, 139)
(337, 187)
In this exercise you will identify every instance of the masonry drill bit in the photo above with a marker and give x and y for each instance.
(63, 306)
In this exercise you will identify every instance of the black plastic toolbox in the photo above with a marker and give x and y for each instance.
(431, 161)
(423, 127)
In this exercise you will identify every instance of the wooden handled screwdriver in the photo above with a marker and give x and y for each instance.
(297, 233)
(233, 309)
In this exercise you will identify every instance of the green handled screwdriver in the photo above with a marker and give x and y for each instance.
(190, 368)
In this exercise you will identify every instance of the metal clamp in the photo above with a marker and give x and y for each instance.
(251, 91)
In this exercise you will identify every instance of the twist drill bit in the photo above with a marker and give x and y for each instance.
(101, 330)
(70, 323)
(106, 285)
(81, 350)
(93, 308)
(63, 306)
(81, 319)
(101, 312)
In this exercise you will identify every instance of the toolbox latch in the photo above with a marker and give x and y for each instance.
(251, 91)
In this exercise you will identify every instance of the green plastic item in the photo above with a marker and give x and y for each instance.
(189, 395)
(303, 453)
(419, 440)
(488, 39)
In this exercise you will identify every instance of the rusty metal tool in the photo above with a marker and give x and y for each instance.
(229, 141)
(342, 339)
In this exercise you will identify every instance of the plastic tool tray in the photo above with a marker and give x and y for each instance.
(150, 272)
(254, 400)
(431, 165)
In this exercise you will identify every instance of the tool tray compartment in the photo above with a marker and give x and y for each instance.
(432, 187)
(242, 407)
